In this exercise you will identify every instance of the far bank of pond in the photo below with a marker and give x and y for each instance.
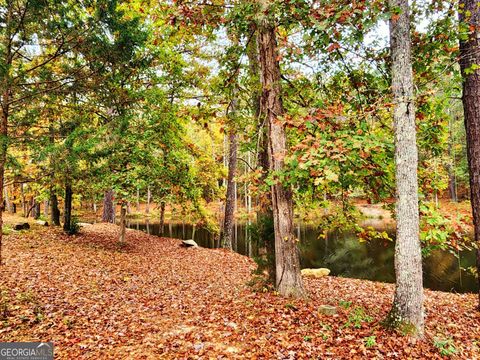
(341, 252)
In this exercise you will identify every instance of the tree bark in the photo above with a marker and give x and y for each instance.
(469, 56)
(67, 215)
(228, 220)
(264, 208)
(138, 200)
(407, 306)
(45, 208)
(5, 93)
(3, 158)
(149, 197)
(162, 218)
(24, 202)
(108, 207)
(123, 222)
(288, 278)
(37, 212)
(8, 203)
(54, 211)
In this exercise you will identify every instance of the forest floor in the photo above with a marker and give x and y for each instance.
(152, 299)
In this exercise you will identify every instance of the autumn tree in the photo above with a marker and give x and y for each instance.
(53, 28)
(288, 278)
(470, 65)
(233, 62)
(407, 307)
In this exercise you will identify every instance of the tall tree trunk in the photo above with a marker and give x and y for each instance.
(24, 202)
(37, 212)
(54, 211)
(5, 93)
(452, 181)
(123, 222)
(149, 197)
(108, 207)
(8, 203)
(138, 200)
(3, 158)
(228, 220)
(162, 217)
(288, 278)
(67, 215)
(31, 208)
(264, 208)
(45, 208)
(470, 56)
(407, 306)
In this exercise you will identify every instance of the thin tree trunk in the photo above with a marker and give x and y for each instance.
(470, 56)
(108, 207)
(67, 216)
(162, 217)
(452, 181)
(24, 203)
(37, 213)
(288, 278)
(123, 222)
(8, 204)
(3, 157)
(54, 210)
(6, 93)
(31, 208)
(230, 200)
(138, 200)
(149, 197)
(407, 306)
(45, 208)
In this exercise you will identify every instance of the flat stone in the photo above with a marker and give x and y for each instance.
(327, 309)
(189, 243)
(82, 224)
(316, 273)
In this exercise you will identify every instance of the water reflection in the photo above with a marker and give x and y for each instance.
(339, 251)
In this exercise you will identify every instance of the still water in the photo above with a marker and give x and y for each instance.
(341, 252)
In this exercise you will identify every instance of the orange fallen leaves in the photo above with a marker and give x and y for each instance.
(152, 299)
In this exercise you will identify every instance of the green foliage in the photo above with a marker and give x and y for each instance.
(262, 235)
(357, 317)
(370, 341)
(74, 226)
(441, 232)
(6, 230)
(446, 346)
(345, 304)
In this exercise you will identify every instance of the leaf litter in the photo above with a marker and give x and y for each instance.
(152, 299)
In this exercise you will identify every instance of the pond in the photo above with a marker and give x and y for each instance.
(341, 252)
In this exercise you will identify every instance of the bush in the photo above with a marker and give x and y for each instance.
(74, 227)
